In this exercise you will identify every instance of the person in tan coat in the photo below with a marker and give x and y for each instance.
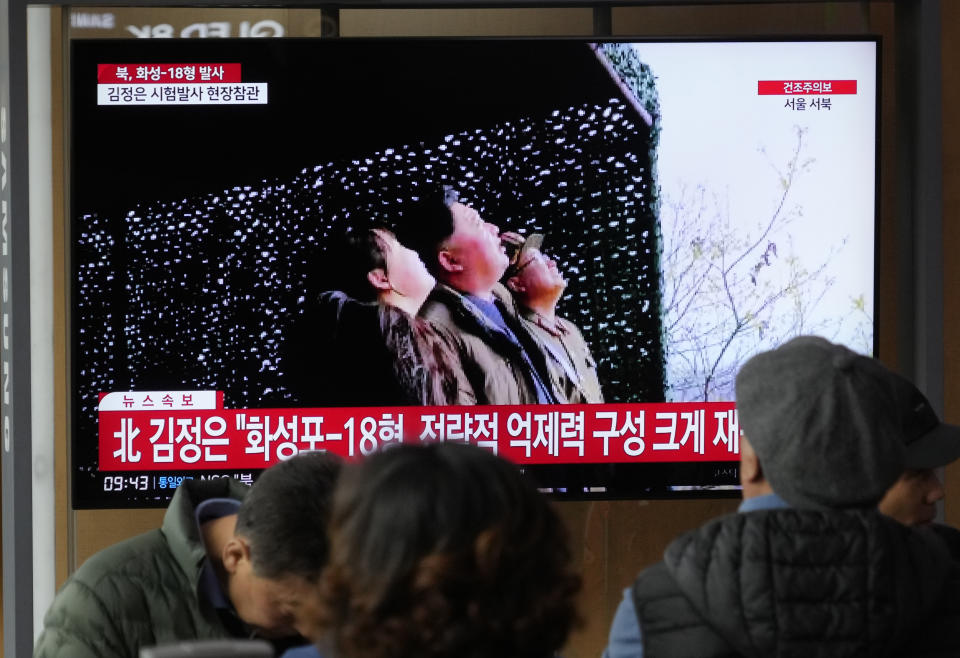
(537, 285)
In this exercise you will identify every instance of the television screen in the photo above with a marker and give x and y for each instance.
(701, 200)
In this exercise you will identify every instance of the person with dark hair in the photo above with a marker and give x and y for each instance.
(367, 345)
(808, 567)
(537, 285)
(227, 562)
(444, 551)
(499, 358)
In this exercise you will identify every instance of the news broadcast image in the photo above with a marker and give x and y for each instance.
(704, 201)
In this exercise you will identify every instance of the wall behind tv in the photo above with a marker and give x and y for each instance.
(616, 539)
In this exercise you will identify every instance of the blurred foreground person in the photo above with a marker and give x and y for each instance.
(229, 561)
(808, 567)
(537, 285)
(445, 551)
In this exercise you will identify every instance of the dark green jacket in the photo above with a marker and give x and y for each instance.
(142, 591)
(800, 583)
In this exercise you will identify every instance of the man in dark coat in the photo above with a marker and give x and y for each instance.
(808, 567)
(226, 563)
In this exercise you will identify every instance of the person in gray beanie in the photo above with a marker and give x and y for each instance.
(808, 566)
(824, 421)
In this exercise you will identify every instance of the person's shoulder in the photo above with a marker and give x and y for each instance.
(338, 308)
(625, 639)
(655, 581)
(950, 536)
(104, 608)
(527, 317)
(946, 532)
(113, 580)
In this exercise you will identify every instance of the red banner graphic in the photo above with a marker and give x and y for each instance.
(167, 73)
(143, 439)
(805, 87)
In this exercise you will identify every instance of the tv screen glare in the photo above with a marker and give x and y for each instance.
(705, 200)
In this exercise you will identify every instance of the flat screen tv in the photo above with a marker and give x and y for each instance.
(705, 200)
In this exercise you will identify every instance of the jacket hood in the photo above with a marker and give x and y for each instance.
(774, 582)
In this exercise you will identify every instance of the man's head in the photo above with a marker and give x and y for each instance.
(532, 277)
(458, 247)
(930, 445)
(824, 422)
(372, 265)
(279, 547)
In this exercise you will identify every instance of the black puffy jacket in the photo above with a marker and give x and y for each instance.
(791, 583)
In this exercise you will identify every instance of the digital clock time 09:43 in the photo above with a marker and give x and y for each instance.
(121, 482)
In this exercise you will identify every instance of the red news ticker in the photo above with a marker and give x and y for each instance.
(167, 73)
(792, 87)
(185, 439)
